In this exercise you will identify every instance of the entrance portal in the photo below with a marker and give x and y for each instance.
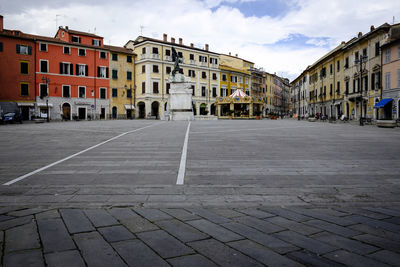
(66, 108)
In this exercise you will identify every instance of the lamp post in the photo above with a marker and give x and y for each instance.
(298, 115)
(361, 61)
(47, 81)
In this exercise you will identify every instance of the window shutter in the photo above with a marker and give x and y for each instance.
(98, 71)
(29, 50)
(106, 72)
(18, 48)
(86, 70)
(77, 70)
(61, 68)
(71, 68)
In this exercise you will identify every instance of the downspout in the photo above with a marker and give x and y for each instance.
(95, 77)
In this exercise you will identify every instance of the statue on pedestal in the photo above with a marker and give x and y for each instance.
(177, 60)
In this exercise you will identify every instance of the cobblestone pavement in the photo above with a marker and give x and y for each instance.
(274, 236)
(264, 192)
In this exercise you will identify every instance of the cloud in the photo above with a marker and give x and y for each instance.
(264, 40)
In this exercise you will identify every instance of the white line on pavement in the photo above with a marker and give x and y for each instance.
(74, 155)
(182, 166)
(252, 129)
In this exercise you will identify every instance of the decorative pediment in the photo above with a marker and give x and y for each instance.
(376, 68)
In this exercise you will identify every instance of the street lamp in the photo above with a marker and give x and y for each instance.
(47, 81)
(298, 115)
(361, 61)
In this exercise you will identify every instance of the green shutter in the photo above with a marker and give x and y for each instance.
(18, 48)
(29, 50)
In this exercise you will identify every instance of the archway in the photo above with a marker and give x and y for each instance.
(154, 109)
(142, 110)
(114, 112)
(203, 109)
(66, 108)
(212, 111)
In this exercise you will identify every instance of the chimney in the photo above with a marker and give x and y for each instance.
(1, 23)
(180, 41)
(66, 27)
(372, 28)
(206, 47)
(229, 53)
(359, 34)
(165, 37)
(236, 55)
(191, 45)
(172, 40)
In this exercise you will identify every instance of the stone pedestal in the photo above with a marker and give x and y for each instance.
(180, 99)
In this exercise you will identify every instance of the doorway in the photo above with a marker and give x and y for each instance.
(142, 110)
(114, 112)
(154, 109)
(82, 113)
(66, 109)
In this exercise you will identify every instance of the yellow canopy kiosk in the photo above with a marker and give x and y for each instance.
(239, 105)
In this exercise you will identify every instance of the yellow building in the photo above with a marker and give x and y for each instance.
(269, 93)
(154, 65)
(122, 95)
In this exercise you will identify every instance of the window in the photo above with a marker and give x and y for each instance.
(66, 91)
(203, 90)
(1, 47)
(203, 59)
(102, 72)
(181, 71)
(214, 76)
(143, 68)
(129, 75)
(387, 80)
(143, 87)
(180, 54)
(76, 39)
(168, 70)
(330, 69)
(203, 75)
(103, 93)
(96, 42)
(338, 88)
(82, 52)
(356, 55)
(66, 68)
(129, 93)
(213, 60)
(214, 91)
(246, 80)
(377, 49)
(114, 92)
(43, 90)
(168, 86)
(103, 54)
(331, 90)
(24, 67)
(44, 66)
(365, 52)
(43, 47)
(223, 92)
(66, 50)
(168, 52)
(346, 64)
(338, 65)
(191, 56)
(82, 92)
(193, 89)
(115, 74)
(129, 59)
(24, 49)
(366, 83)
(224, 77)
(155, 87)
(81, 70)
(144, 50)
(155, 50)
(191, 73)
(155, 68)
(233, 79)
(24, 89)
(114, 57)
(387, 55)
(347, 87)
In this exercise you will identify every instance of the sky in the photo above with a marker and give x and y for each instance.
(280, 36)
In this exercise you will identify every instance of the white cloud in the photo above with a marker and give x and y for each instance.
(226, 29)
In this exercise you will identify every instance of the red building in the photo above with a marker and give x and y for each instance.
(72, 78)
(17, 69)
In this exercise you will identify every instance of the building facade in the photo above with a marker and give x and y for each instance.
(122, 86)
(154, 66)
(391, 74)
(17, 65)
(72, 80)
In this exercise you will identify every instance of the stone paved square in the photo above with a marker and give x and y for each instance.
(254, 192)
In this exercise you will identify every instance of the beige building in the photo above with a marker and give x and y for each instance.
(154, 65)
(122, 85)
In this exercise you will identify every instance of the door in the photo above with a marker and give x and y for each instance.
(114, 112)
(103, 114)
(66, 108)
(82, 113)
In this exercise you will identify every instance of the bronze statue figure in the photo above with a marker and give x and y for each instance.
(177, 60)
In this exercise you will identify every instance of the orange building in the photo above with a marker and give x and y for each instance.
(17, 69)
(72, 76)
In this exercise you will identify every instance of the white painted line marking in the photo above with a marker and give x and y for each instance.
(74, 155)
(252, 129)
(182, 166)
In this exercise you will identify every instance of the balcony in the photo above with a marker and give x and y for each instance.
(192, 62)
(155, 56)
(203, 64)
(213, 65)
(168, 58)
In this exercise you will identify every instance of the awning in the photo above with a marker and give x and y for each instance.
(238, 93)
(382, 103)
(129, 107)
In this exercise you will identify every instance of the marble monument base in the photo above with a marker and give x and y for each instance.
(180, 99)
